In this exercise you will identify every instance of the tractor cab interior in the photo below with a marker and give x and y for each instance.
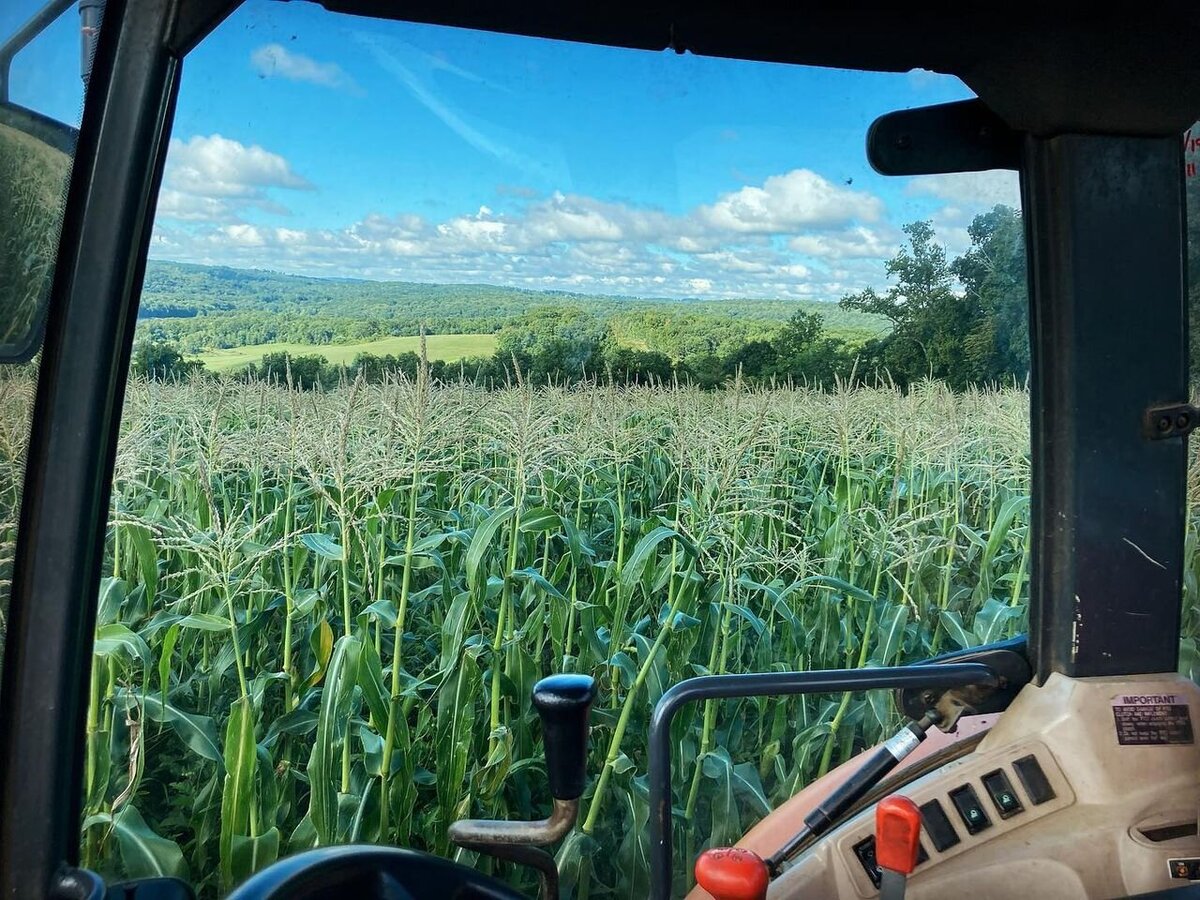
(1062, 763)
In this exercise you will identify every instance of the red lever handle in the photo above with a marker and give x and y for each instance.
(733, 873)
(897, 834)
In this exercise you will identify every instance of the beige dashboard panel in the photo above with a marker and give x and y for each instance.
(1120, 811)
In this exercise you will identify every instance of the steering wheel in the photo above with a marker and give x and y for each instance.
(367, 872)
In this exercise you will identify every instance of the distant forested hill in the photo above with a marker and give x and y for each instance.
(215, 307)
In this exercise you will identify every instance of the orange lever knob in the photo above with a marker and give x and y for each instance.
(733, 873)
(897, 834)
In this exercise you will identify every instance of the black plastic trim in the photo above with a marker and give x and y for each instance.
(106, 230)
(1104, 223)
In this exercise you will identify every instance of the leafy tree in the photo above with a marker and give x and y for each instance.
(705, 370)
(798, 336)
(374, 369)
(929, 320)
(755, 359)
(805, 354)
(305, 372)
(993, 274)
(162, 361)
(554, 344)
(626, 365)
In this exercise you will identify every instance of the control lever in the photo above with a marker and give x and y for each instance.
(869, 774)
(897, 843)
(563, 703)
(733, 873)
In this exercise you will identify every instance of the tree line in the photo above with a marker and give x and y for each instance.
(208, 307)
(963, 321)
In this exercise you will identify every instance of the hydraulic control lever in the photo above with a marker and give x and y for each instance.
(563, 703)
(869, 774)
(936, 678)
(897, 844)
(735, 873)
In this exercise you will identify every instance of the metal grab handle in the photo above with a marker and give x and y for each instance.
(709, 687)
(519, 842)
(563, 703)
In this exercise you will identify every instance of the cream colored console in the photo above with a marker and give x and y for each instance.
(1084, 788)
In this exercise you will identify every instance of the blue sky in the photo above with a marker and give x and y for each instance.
(318, 144)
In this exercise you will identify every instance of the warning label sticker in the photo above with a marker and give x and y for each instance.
(1152, 719)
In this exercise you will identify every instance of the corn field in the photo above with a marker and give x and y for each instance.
(322, 613)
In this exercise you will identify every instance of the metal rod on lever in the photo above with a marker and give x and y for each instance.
(563, 703)
(519, 841)
(708, 687)
(881, 761)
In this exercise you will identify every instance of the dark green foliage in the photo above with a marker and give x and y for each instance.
(162, 361)
(803, 352)
(974, 336)
(376, 368)
(682, 334)
(993, 274)
(553, 344)
(627, 366)
(755, 359)
(305, 372)
(798, 335)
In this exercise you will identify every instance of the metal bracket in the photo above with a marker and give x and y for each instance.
(1169, 421)
(1006, 658)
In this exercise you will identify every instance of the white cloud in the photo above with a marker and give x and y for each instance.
(924, 79)
(215, 166)
(276, 61)
(211, 178)
(183, 207)
(787, 203)
(244, 235)
(738, 246)
(478, 232)
(950, 224)
(853, 243)
(978, 189)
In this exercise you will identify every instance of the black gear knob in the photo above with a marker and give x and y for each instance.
(564, 703)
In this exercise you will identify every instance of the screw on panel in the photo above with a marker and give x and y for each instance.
(1169, 421)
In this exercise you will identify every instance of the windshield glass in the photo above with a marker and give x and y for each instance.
(464, 359)
(44, 97)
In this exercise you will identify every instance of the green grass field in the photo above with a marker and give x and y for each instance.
(439, 346)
